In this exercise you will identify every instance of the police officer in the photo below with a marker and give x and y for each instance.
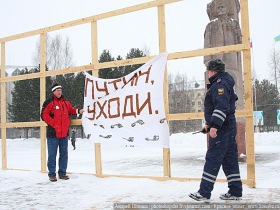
(220, 122)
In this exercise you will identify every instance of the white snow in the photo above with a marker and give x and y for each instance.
(30, 189)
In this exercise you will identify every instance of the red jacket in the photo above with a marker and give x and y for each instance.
(55, 112)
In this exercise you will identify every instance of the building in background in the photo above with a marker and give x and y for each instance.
(186, 97)
(196, 93)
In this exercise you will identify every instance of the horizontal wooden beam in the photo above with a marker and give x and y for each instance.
(23, 124)
(132, 61)
(180, 179)
(89, 19)
(244, 113)
(33, 124)
(208, 51)
(185, 116)
(177, 55)
(200, 115)
(47, 73)
(171, 56)
(170, 117)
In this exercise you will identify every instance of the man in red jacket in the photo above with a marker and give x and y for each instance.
(55, 112)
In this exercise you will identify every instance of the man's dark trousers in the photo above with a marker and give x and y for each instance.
(53, 145)
(222, 150)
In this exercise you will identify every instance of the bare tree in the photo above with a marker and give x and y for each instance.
(68, 55)
(178, 101)
(59, 53)
(274, 64)
(146, 50)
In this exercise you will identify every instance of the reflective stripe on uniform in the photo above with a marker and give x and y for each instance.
(219, 114)
(211, 178)
(238, 175)
(232, 180)
(233, 177)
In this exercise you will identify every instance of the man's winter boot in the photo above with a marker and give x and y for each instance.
(65, 177)
(228, 196)
(196, 196)
(53, 178)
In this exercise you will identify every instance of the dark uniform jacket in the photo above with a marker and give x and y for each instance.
(55, 112)
(219, 104)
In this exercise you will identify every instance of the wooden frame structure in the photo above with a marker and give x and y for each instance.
(160, 4)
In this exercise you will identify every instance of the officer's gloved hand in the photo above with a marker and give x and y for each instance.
(204, 131)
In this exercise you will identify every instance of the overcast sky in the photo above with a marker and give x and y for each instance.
(185, 23)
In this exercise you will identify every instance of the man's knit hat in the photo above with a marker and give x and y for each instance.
(55, 86)
(216, 65)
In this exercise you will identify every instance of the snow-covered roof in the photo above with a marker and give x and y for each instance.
(14, 70)
(200, 84)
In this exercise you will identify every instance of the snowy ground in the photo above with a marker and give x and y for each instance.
(31, 189)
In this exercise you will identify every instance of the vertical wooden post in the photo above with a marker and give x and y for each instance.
(3, 107)
(162, 49)
(248, 93)
(98, 161)
(43, 55)
(94, 51)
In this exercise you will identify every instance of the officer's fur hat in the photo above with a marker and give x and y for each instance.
(216, 65)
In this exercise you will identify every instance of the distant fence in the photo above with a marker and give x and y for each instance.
(95, 65)
(267, 128)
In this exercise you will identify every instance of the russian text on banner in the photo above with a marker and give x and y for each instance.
(128, 110)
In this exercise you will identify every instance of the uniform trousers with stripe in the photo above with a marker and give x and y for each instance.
(222, 151)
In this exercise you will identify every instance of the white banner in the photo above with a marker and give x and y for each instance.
(128, 110)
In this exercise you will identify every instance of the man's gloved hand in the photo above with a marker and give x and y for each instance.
(204, 130)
